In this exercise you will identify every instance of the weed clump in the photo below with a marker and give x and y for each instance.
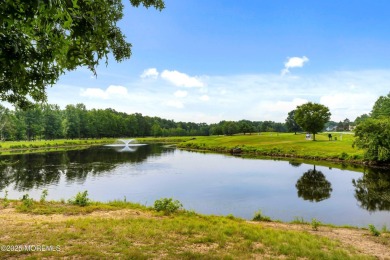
(81, 199)
(27, 201)
(167, 205)
(5, 200)
(373, 230)
(44, 195)
(315, 224)
(260, 217)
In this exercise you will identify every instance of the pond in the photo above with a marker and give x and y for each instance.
(207, 183)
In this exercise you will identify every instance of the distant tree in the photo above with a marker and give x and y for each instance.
(346, 124)
(291, 125)
(312, 117)
(4, 120)
(41, 39)
(52, 122)
(230, 128)
(381, 107)
(246, 126)
(373, 135)
(340, 126)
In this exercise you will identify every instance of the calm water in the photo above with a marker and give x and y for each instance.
(207, 183)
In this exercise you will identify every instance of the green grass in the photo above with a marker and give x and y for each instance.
(282, 145)
(148, 234)
(13, 147)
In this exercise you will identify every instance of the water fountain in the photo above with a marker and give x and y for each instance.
(126, 145)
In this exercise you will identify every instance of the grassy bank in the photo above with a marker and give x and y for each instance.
(282, 145)
(125, 230)
(12, 147)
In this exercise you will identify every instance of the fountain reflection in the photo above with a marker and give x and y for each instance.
(125, 145)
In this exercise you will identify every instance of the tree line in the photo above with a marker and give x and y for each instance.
(49, 122)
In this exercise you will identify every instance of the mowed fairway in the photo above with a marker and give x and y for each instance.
(282, 144)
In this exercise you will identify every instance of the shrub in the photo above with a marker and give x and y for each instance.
(27, 201)
(315, 224)
(167, 205)
(81, 199)
(260, 217)
(44, 195)
(384, 229)
(5, 200)
(343, 156)
(373, 230)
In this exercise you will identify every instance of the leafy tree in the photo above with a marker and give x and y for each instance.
(156, 130)
(42, 39)
(373, 135)
(381, 107)
(4, 121)
(52, 122)
(229, 128)
(346, 124)
(291, 125)
(361, 118)
(71, 122)
(312, 117)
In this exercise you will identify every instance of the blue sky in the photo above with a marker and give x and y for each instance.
(207, 61)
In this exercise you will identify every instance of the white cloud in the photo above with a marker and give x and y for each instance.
(93, 93)
(150, 73)
(174, 103)
(294, 62)
(256, 97)
(181, 79)
(349, 104)
(205, 98)
(180, 94)
(111, 92)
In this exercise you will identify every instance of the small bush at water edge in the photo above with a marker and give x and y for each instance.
(167, 205)
(80, 199)
(315, 224)
(27, 201)
(260, 217)
(373, 230)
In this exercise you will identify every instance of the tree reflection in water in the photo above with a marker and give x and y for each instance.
(372, 190)
(313, 186)
(29, 171)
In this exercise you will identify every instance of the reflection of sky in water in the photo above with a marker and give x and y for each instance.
(219, 184)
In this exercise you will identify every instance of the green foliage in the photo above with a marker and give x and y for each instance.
(373, 136)
(312, 117)
(384, 229)
(45, 192)
(167, 205)
(381, 107)
(81, 199)
(291, 124)
(260, 217)
(40, 40)
(27, 201)
(315, 224)
(5, 200)
(373, 230)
